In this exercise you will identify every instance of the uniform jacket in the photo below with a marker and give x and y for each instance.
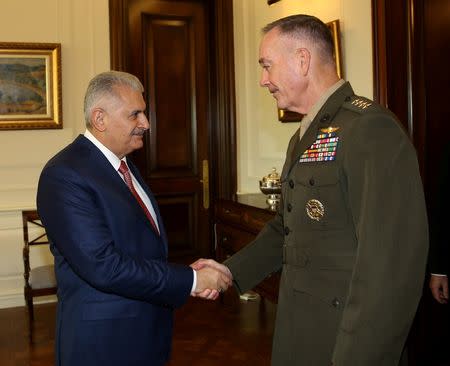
(351, 238)
(116, 291)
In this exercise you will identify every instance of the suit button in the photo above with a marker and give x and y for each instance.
(289, 207)
(336, 303)
(291, 183)
(311, 182)
(286, 230)
(348, 99)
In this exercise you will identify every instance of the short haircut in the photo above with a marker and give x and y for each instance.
(105, 84)
(308, 27)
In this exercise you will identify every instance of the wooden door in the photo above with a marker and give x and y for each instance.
(165, 43)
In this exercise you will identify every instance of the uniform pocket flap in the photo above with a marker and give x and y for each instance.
(318, 176)
(329, 286)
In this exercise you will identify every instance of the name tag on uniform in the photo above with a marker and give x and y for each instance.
(324, 148)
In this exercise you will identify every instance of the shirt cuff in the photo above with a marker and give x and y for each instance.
(194, 282)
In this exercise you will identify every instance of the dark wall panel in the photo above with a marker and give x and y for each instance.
(168, 45)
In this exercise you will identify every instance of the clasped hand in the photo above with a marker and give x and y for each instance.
(212, 278)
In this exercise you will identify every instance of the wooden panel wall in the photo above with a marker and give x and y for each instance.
(411, 76)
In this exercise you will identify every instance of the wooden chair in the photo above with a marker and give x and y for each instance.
(39, 280)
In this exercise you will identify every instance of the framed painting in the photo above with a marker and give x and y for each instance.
(30, 86)
(288, 116)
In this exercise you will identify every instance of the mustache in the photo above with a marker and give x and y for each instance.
(139, 131)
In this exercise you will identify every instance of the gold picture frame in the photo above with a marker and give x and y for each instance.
(30, 86)
(289, 116)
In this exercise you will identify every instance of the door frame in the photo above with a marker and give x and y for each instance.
(398, 66)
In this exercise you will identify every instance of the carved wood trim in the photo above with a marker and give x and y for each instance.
(117, 31)
(223, 111)
(398, 65)
(379, 52)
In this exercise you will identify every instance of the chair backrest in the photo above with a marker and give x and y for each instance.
(30, 219)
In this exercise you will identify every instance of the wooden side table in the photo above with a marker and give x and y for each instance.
(236, 224)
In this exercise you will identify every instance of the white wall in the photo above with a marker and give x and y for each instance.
(82, 28)
(262, 140)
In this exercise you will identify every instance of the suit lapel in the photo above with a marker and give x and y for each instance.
(101, 164)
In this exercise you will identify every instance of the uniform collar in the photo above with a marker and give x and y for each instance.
(306, 120)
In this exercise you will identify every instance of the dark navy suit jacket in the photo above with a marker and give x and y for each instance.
(116, 290)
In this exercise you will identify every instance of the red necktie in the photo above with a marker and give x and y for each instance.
(127, 176)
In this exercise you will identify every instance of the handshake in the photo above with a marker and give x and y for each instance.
(212, 278)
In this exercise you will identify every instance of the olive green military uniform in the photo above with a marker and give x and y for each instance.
(350, 236)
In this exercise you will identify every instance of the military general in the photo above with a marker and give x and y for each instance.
(350, 235)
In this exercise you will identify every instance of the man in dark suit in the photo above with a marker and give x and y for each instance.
(351, 232)
(116, 290)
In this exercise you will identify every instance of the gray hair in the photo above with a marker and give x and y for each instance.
(306, 27)
(104, 84)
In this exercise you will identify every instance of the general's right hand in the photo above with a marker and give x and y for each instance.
(211, 276)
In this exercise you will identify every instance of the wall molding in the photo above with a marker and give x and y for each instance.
(15, 198)
(11, 293)
(15, 298)
(17, 207)
(12, 298)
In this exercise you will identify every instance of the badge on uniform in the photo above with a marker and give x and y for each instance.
(314, 209)
(324, 148)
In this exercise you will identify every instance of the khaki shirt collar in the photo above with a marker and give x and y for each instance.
(306, 120)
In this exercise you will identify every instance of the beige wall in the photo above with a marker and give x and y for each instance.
(262, 140)
(81, 26)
